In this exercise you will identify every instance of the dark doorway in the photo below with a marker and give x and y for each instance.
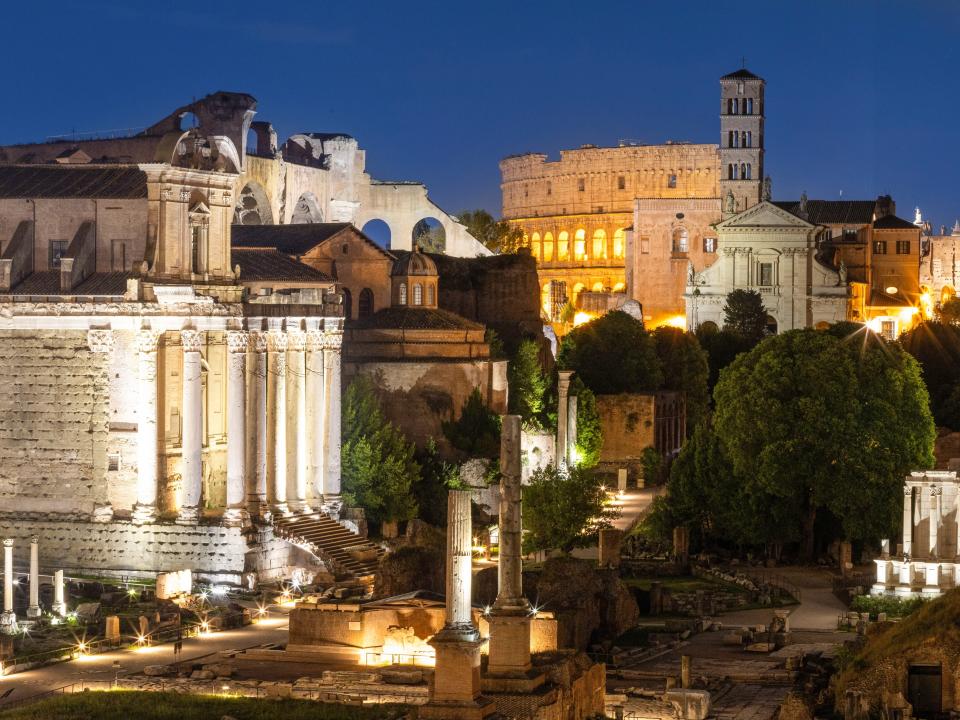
(365, 303)
(925, 690)
(347, 304)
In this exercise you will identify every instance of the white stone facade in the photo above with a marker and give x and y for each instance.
(773, 252)
(926, 562)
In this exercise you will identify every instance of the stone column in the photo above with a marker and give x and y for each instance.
(257, 423)
(315, 410)
(236, 512)
(907, 520)
(572, 458)
(8, 620)
(191, 443)
(296, 420)
(935, 495)
(455, 691)
(277, 420)
(511, 615)
(33, 609)
(59, 603)
(148, 449)
(331, 376)
(563, 389)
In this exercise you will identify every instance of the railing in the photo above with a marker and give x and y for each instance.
(82, 686)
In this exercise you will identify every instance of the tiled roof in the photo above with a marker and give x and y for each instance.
(292, 239)
(47, 282)
(741, 73)
(892, 222)
(58, 181)
(270, 264)
(833, 212)
(413, 318)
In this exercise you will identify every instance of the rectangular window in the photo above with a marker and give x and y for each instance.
(766, 274)
(645, 245)
(879, 247)
(671, 181)
(581, 184)
(58, 249)
(549, 188)
(903, 247)
(621, 183)
(113, 462)
(709, 245)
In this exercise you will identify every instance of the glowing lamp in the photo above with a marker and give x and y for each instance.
(892, 290)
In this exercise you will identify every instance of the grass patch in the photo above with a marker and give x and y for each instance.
(685, 584)
(125, 704)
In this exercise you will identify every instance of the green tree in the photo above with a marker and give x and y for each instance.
(721, 346)
(528, 383)
(685, 368)
(497, 235)
(477, 431)
(589, 432)
(949, 311)
(745, 315)
(936, 346)
(377, 466)
(430, 238)
(612, 354)
(811, 422)
(437, 477)
(563, 509)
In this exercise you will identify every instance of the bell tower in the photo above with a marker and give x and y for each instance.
(741, 140)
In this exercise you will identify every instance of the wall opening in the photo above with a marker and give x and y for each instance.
(429, 234)
(378, 231)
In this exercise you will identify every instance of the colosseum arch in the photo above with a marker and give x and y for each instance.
(599, 249)
(548, 247)
(253, 206)
(307, 210)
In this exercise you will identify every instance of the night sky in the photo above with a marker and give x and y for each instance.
(863, 98)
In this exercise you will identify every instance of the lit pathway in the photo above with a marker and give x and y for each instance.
(818, 609)
(633, 504)
(99, 668)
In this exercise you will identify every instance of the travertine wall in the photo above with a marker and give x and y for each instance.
(628, 426)
(54, 415)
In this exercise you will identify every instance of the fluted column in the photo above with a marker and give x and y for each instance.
(907, 520)
(572, 430)
(563, 389)
(59, 604)
(331, 376)
(315, 411)
(191, 443)
(236, 512)
(148, 450)
(33, 609)
(935, 496)
(296, 420)
(8, 620)
(257, 423)
(277, 419)
(459, 564)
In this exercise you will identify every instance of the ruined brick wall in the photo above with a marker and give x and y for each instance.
(54, 416)
(628, 426)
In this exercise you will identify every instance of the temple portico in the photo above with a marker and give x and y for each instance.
(926, 562)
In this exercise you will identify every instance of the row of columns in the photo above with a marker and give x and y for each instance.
(8, 618)
(912, 514)
(282, 417)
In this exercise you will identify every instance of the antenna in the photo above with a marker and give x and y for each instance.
(743, 62)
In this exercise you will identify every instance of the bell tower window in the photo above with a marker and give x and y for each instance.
(199, 220)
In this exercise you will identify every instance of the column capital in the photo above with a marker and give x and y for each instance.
(936, 490)
(100, 341)
(34, 539)
(237, 341)
(276, 341)
(8, 542)
(296, 340)
(191, 340)
(315, 339)
(148, 339)
(332, 340)
(257, 340)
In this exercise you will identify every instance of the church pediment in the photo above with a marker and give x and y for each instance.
(764, 215)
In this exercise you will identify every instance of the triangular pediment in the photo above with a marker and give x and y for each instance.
(764, 215)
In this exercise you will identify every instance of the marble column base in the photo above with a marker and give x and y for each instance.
(188, 515)
(281, 509)
(33, 612)
(8, 623)
(332, 505)
(143, 514)
(59, 609)
(236, 517)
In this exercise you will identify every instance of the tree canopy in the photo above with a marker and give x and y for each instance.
(949, 311)
(563, 509)
(612, 354)
(377, 465)
(496, 235)
(832, 421)
(589, 432)
(476, 433)
(745, 316)
(528, 383)
(685, 368)
(936, 346)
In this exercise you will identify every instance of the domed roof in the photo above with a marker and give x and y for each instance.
(413, 263)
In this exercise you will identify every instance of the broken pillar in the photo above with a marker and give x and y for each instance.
(511, 616)
(563, 389)
(8, 620)
(33, 609)
(572, 456)
(846, 557)
(609, 550)
(112, 628)
(59, 604)
(622, 480)
(455, 691)
(685, 671)
(681, 545)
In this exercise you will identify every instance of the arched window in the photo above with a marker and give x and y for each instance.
(619, 240)
(563, 245)
(749, 106)
(403, 293)
(579, 244)
(599, 244)
(681, 240)
(743, 139)
(535, 245)
(365, 303)
(729, 106)
(731, 135)
(418, 294)
(431, 297)
(547, 247)
(347, 304)
(749, 142)
(597, 287)
(748, 174)
(736, 106)
(743, 171)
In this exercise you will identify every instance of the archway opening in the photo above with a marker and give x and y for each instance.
(619, 242)
(563, 245)
(307, 210)
(253, 206)
(347, 304)
(708, 326)
(429, 234)
(579, 244)
(365, 303)
(599, 250)
(378, 231)
(547, 247)
(771, 326)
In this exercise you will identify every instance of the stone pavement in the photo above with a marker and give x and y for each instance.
(818, 609)
(633, 505)
(99, 668)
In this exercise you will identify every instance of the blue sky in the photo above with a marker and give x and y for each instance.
(862, 97)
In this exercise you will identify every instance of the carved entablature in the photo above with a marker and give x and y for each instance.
(100, 341)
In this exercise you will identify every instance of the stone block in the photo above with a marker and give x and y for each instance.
(690, 704)
(112, 629)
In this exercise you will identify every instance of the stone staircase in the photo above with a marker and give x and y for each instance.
(328, 540)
